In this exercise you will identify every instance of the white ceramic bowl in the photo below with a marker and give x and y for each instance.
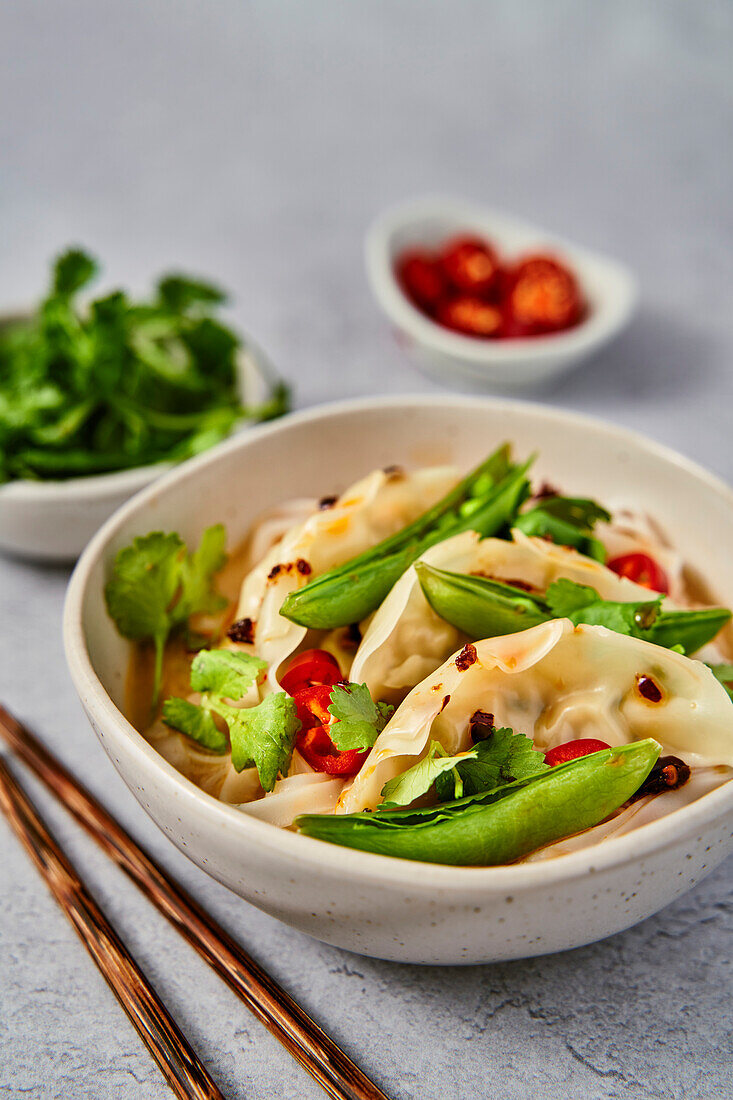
(54, 520)
(397, 909)
(609, 288)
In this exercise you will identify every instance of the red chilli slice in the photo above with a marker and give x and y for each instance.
(311, 667)
(317, 748)
(573, 750)
(470, 316)
(542, 297)
(313, 741)
(472, 266)
(641, 569)
(421, 277)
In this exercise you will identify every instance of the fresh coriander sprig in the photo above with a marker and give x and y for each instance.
(262, 736)
(116, 383)
(358, 719)
(155, 587)
(417, 780)
(501, 757)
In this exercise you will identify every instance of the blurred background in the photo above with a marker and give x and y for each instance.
(254, 142)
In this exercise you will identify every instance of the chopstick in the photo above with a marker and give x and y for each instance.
(282, 1016)
(168, 1045)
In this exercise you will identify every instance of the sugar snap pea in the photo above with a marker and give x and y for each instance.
(504, 825)
(349, 597)
(347, 594)
(484, 608)
(690, 629)
(480, 607)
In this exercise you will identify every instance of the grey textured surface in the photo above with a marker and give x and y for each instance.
(254, 142)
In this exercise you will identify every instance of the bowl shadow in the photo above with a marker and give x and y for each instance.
(658, 357)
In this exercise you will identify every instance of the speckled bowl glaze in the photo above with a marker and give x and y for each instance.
(373, 905)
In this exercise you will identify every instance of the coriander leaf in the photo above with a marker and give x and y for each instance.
(72, 270)
(226, 672)
(581, 604)
(724, 675)
(565, 597)
(214, 347)
(358, 719)
(178, 293)
(688, 630)
(196, 722)
(110, 310)
(154, 587)
(145, 580)
(146, 577)
(276, 405)
(58, 432)
(385, 712)
(121, 384)
(418, 779)
(500, 758)
(197, 572)
(263, 735)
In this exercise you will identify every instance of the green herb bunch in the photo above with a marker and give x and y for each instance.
(116, 384)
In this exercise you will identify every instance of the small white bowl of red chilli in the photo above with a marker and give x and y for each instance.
(480, 295)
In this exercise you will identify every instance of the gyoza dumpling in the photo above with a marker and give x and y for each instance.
(303, 790)
(556, 683)
(406, 640)
(377, 506)
(303, 793)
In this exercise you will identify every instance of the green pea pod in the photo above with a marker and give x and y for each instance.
(690, 629)
(482, 481)
(350, 592)
(479, 607)
(349, 597)
(504, 825)
(493, 513)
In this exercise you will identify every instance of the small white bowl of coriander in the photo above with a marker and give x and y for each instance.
(99, 397)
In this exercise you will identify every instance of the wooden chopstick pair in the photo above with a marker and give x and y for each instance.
(300, 1035)
(181, 1068)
